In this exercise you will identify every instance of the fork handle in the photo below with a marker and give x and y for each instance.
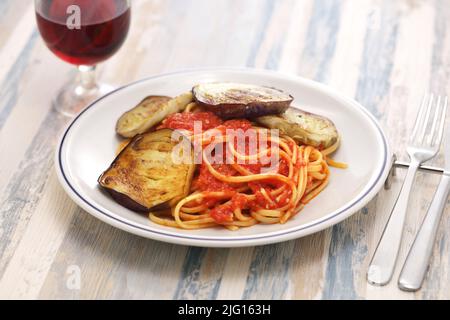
(383, 262)
(416, 265)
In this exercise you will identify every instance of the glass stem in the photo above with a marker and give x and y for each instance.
(87, 77)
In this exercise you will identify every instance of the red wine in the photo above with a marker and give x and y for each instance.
(103, 29)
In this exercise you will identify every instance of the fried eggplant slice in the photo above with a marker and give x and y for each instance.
(150, 112)
(144, 175)
(235, 100)
(130, 123)
(303, 127)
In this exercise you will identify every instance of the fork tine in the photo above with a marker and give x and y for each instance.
(424, 124)
(436, 119)
(419, 117)
(442, 127)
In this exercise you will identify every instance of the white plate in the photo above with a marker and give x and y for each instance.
(88, 147)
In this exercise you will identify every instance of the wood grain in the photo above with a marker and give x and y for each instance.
(386, 54)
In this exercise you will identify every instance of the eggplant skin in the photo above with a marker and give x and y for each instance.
(126, 201)
(144, 177)
(235, 100)
(304, 127)
(150, 112)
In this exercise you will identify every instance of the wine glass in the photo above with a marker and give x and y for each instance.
(83, 33)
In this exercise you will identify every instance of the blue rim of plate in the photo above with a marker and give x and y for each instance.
(231, 239)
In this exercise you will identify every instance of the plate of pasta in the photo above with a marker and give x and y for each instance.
(223, 158)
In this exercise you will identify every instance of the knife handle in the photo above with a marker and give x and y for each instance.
(383, 262)
(416, 264)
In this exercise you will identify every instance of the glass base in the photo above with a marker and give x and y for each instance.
(74, 98)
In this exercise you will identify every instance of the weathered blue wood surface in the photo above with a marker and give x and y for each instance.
(383, 53)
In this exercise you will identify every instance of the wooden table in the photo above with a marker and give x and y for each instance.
(383, 53)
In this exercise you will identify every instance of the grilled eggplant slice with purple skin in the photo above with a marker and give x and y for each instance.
(144, 175)
(235, 100)
(150, 112)
(303, 127)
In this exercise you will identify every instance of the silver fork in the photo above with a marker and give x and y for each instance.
(424, 145)
(416, 264)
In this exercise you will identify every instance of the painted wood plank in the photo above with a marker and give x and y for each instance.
(204, 272)
(259, 259)
(376, 68)
(309, 261)
(208, 284)
(320, 39)
(271, 45)
(235, 273)
(17, 39)
(112, 264)
(409, 79)
(10, 87)
(351, 253)
(345, 246)
(345, 67)
(278, 13)
(28, 109)
(265, 17)
(278, 283)
(268, 277)
(437, 283)
(296, 36)
(364, 49)
(270, 51)
(201, 274)
(34, 255)
(22, 194)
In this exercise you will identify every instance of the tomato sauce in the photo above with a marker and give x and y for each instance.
(207, 182)
(222, 213)
(283, 168)
(186, 121)
(239, 201)
(238, 124)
